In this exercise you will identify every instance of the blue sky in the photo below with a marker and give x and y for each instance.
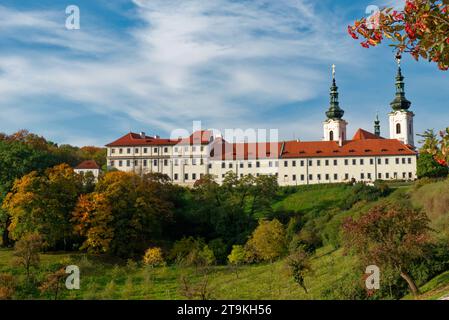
(158, 65)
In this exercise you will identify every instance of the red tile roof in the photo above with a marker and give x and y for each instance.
(245, 151)
(364, 135)
(198, 137)
(135, 139)
(364, 143)
(88, 164)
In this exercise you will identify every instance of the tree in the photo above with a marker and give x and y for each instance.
(299, 265)
(153, 257)
(237, 257)
(391, 235)
(7, 286)
(53, 283)
(428, 167)
(421, 29)
(43, 204)
(268, 241)
(92, 219)
(125, 214)
(26, 252)
(429, 142)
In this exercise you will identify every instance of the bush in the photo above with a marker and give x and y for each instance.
(220, 249)
(7, 286)
(153, 257)
(237, 255)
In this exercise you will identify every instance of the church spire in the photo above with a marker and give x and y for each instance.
(400, 102)
(377, 126)
(334, 112)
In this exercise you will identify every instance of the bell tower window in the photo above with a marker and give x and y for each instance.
(398, 128)
(331, 136)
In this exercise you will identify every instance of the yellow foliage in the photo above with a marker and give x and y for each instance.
(153, 257)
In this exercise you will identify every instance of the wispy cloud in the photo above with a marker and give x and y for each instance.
(222, 62)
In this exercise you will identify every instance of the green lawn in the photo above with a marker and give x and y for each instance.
(102, 279)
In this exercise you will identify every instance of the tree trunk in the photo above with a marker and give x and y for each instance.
(6, 242)
(411, 283)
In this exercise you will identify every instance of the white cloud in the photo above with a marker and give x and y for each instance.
(222, 62)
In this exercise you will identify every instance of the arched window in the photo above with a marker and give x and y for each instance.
(398, 128)
(331, 136)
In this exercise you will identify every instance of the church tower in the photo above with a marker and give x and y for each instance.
(377, 126)
(334, 126)
(401, 119)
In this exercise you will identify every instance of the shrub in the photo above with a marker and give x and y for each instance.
(7, 286)
(237, 255)
(26, 251)
(220, 249)
(299, 265)
(153, 257)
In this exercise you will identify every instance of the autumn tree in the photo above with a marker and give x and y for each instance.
(44, 204)
(268, 241)
(153, 257)
(8, 286)
(53, 283)
(236, 258)
(300, 266)
(391, 235)
(26, 252)
(421, 29)
(124, 214)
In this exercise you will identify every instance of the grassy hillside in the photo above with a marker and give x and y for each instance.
(103, 279)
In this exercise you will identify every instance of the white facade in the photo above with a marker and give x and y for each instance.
(401, 126)
(335, 130)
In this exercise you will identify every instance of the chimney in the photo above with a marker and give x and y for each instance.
(142, 135)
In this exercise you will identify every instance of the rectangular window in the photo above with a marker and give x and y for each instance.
(335, 177)
(302, 163)
(176, 176)
(241, 165)
(230, 165)
(327, 177)
(135, 162)
(293, 163)
(258, 164)
(335, 162)
(176, 149)
(285, 163)
(403, 175)
(371, 161)
(369, 176)
(294, 177)
(387, 175)
(310, 177)
(186, 149)
(145, 150)
(223, 165)
(201, 161)
(354, 162)
(310, 163)
(155, 162)
(120, 150)
(387, 161)
(144, 163)
(326, 163)
(403, 160)
(193, 176)
(193, 162)
(250, 164)
(362, 176)
(409, 160)
(270, 164)
(346, 162)
(186, 176)
(112, 150)
(361, 162)
(397, 160)
(128, 150)
(112, 163)
(128, 163)
(318, 177)
(379, 161)
(176, 162)
(165, 149)
(193, 149)
(120, 163)
(302, 177)
(165, 162)
(318, 163)
(379, 175)
(409, 175)
(210, 165)
(136, 150)
(346, 176)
